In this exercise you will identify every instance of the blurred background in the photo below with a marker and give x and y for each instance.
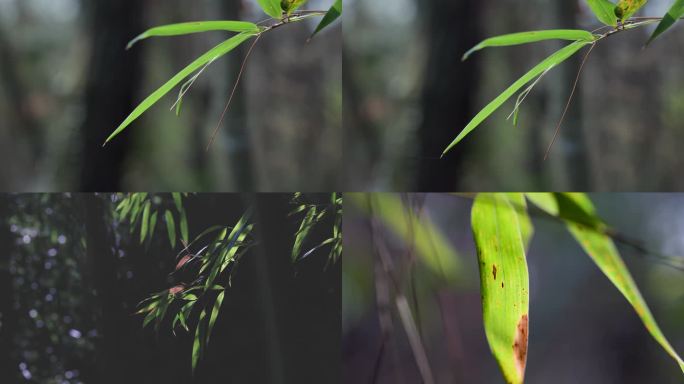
(66, 82)
(582, 330)
(71, 276)
(407, 96)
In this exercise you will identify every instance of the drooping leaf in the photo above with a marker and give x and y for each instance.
(303, 232)
(675, 13)
(532, 37)
(271, 8)
(211, 55)
(170, 227)
(195, 27)
(604, 11)
(550, 62)
(333, 14)
(504, 281)
(432, 247)
(178, 201)
(153, 223)
(590, 231)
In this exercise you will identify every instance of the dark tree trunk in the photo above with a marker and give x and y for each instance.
(450, 86)
(111, 93)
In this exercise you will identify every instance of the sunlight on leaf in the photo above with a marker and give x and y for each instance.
(271, 8)
(504, 280)
(604, 11)
(195, 27)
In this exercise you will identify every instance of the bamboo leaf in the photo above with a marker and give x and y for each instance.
(590, 231)
(184, 227)
(290, 6)
(271, 8)
(170, 227)
(195, 27)
(604, 11)
(211, 55)
(303, 232)
(178, 201)
(532, 37)
(153, 223)
(504, 281)
(145, 221)
(550, 62)
(215, 313)
(671, 17)
(333, 14)
(198, 343)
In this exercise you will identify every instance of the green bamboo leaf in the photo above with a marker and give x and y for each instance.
(271, 8)
(290, 6)
(333, 14)
(153, 223)
(532, 37)
(626, 8)
(671, 17)
(178, 201)
(550, 62)
(195, 27)
(149, 318)
(604, 11)
(590, 231)
(303, 232)
(215, 313)
(184, 227)
(504, 281)
(211, 55)
(170, 227)
(432, 247)
(198, 343)
(145, 221)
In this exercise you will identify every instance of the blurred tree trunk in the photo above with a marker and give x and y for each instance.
(235, 125)
(111, 91)
(450, 86)
(571, 144)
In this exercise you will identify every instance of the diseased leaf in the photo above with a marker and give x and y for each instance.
(590, 231)
(333, 14)
(504, 281)
(532, 37)
(550, 62)
(673, 15)
(195, 27)
(604, 11)
(152, 99)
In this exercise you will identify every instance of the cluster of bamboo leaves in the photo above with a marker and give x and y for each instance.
(314, 215)
(502, 231)
(142, 211)
(202, 301)
(281, 11)
(615, 17)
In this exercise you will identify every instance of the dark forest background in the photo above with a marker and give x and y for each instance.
(71, 276)
(66, 81)
(407, 96)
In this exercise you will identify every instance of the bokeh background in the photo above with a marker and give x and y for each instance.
(71, 276)
(66, 81)
(582, 330)
(407, 95)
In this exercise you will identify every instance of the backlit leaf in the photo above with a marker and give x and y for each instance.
(195, 27)
(604, 11)
(532, 37)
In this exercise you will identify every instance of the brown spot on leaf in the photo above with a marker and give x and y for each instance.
(502, 284)
(520, 345)
(494, 270)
